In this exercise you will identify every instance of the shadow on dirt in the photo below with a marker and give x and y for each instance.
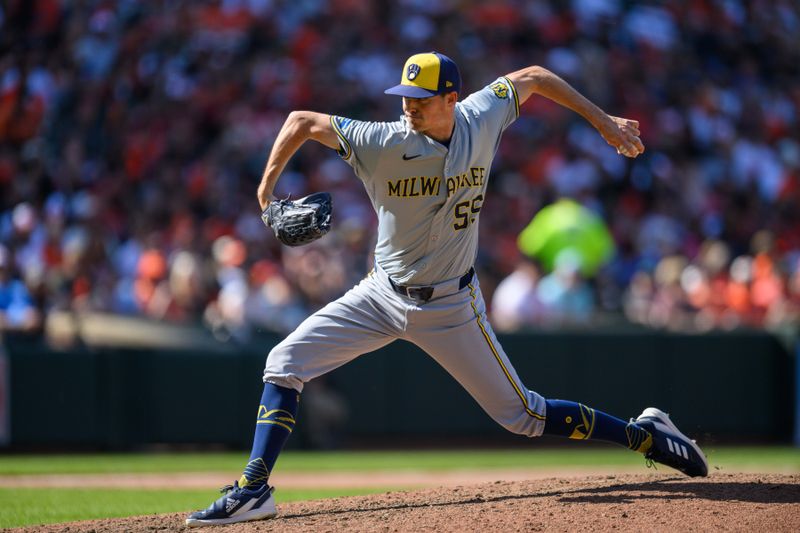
(669, 488)
(726, 491)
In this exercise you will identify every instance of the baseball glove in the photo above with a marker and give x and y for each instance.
(299, 222)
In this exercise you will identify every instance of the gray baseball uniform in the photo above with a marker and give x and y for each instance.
(428, 199)
(428, 196)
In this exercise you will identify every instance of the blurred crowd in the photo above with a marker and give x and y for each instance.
(133, 136)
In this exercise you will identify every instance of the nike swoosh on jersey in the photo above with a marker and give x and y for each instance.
(409, 157)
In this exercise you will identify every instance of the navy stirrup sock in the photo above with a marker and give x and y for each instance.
(576, 421)
(274, 424)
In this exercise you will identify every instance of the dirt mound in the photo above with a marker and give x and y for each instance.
(660, 502)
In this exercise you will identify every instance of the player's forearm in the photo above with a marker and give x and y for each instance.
(295, 131)
(299, 127)
(539, 80)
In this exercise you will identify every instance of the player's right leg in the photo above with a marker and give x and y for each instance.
(361, 321)
(652, 434)
(457, 334)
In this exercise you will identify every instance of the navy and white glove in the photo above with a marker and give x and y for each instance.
(299, 222)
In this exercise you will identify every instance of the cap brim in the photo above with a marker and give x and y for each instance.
(410, 91)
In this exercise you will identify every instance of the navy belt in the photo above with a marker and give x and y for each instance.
(423, 294)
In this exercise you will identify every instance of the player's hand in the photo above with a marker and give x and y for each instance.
(264, 197)
(622, 134)
(264, 201)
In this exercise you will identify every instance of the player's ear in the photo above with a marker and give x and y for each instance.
(451, 98)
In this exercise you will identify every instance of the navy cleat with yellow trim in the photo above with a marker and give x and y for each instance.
(237, 504)
(671, 447)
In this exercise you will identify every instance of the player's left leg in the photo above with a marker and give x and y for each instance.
(362, 320)
(454, 330)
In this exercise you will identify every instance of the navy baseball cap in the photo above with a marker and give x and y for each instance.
(427, 75)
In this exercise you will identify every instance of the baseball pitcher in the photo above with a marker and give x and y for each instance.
(426, 176)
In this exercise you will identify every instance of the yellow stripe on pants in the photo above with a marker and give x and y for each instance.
(499, 359)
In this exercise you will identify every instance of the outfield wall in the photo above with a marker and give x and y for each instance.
(718, 386)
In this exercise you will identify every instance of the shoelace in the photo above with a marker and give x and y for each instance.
(229, 488)
(650, 463)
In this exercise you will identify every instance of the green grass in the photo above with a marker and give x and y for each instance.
(786, 458)
(25, 507)
(783, 458)
(37, 506)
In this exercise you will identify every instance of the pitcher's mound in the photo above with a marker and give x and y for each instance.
(646, 502)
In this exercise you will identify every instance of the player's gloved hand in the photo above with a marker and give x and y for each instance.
(299, 222)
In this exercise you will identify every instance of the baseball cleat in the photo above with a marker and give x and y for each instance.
(670, 446)
(236, 505)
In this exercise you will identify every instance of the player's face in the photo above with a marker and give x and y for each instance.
(429, 114)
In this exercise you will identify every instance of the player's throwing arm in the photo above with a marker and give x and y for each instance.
(621, 133)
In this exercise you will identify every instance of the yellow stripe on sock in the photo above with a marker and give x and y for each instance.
(257, 470)
(588, 415)
(274, 422)
(263, 413)
(634, 435)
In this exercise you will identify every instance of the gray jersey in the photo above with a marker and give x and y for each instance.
(428, 197)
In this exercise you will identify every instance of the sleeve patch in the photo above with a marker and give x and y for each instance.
(500, 90)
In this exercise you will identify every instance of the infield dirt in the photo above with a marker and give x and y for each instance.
(629, 502)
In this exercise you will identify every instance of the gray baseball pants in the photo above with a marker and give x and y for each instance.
(451, 327)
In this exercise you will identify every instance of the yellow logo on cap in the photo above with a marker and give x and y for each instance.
(422, 70)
